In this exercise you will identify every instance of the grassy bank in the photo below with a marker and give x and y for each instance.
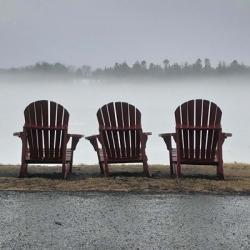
(128, 178)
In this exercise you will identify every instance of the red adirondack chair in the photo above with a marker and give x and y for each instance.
(198, 137)
(45, 136)
(120, 136)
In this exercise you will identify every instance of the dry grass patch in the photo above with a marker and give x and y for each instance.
(128, 178)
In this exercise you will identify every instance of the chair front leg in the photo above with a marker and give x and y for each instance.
(171, 167)
(146, 168)
(65, 169)
(23, 172)
(168, 141)
(178, 170)
(71, 162)
(178, 157)
(100, 152)
(220, 171)
(106, 168)
(24, 166)
(102, 166)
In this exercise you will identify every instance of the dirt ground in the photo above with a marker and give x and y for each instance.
(128, 178)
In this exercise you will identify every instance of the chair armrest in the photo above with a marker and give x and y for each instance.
(167, 135)
(76, 135)
(93, 139)
(167, 138)
(147, 133)
(75, 140)
(18, 134)
(225, 135)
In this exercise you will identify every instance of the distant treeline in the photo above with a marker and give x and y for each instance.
(137, 70)
(169, 70)
(45, 70)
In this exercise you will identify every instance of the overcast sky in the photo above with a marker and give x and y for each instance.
(102, 32)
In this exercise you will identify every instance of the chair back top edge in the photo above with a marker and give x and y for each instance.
(46, 114)
(198, 113)
(119, 115)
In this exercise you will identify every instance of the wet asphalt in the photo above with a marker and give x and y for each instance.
(44, 220)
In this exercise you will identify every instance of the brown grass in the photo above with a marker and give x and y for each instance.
(128, 178)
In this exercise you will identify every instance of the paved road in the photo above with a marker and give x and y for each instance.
(123, 221)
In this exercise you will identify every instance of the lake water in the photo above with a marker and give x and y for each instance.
(156, 101)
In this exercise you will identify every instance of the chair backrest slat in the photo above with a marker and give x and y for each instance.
(198, 127)
(118, 107)
(191, 132)
(198, 112)
(45, 115)
(46, 125)
(28, 132)
(138, 133)
(211, 133)
(184, 116)
(114, 134)
(120, 128)
(132, 132)
(125, 113)
(52, 132)
(34, 153)
(104, 133)
(58, 140)
(38, 112)
(205, 108)
(109, 135)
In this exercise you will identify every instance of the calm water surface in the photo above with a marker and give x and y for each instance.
(157, 102)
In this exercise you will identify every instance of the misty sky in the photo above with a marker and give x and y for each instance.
(101, 32)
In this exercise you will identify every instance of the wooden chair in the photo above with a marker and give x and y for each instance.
(198, 137)
(45, 137)
(120, 136)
